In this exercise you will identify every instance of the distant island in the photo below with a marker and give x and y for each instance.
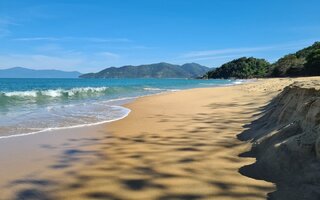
(305, 62)
(21, 72)
(157, 70)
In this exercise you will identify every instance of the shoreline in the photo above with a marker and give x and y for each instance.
(186, 138)
(43, 147)
(48, 130)
(129, 99)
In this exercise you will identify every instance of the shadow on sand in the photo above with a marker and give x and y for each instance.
(184, 164)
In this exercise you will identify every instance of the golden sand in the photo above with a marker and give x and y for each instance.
(179, 145)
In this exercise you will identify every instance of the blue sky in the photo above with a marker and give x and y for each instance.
(90, 35)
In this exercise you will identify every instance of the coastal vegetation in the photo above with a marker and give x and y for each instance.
(241, 68)
(313, 63)
(305, 62)
(295, 64)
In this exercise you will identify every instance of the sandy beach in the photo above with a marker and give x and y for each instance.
(179, 145)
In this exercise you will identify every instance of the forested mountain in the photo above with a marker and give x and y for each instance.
(157, 70)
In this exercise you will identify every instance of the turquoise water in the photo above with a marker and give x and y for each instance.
(29, 106)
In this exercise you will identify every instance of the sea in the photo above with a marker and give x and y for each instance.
(31, 106)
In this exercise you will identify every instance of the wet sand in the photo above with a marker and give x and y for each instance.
(179, 145)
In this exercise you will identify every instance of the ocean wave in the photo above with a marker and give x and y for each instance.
(209, 84)
(120, 99)
(152, 89)
(238, 82)
(56, 92)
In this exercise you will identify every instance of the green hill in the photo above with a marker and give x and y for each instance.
(157, 70)
(305, 62)
(241, 68)
(293, 64)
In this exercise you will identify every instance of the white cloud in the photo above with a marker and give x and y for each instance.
(50, 48)
(217, 57)
(93, 39)
(4, 31)
(109, 55)
(37, 39)
(196, 54)
(4, 26)
(38, 61)
(243, 50)
(66, 39)
(133, 47)
(64, 61)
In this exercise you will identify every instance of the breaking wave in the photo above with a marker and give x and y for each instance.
(57, 92)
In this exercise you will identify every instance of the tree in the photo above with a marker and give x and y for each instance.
(293, 64)
(312, 65)
(289, 65)
(241, 68)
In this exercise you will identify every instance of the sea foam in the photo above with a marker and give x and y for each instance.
(30, 106)
(57, 92)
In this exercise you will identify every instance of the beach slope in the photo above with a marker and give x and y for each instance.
(179, 145)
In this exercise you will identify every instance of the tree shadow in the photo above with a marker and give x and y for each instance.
(179, 163)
